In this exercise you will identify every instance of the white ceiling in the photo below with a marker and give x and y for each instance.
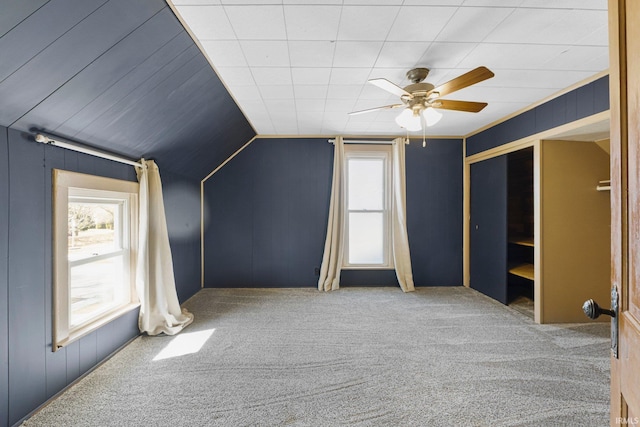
(298, 67)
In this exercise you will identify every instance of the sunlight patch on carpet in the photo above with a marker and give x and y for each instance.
(185, 343)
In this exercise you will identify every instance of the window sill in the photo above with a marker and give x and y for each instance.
(85, 330)
(368, 267)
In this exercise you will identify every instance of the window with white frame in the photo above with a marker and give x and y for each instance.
(367, 206)
(94, 240)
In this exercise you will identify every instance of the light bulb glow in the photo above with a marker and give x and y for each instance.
(409, 120)
(431, 116)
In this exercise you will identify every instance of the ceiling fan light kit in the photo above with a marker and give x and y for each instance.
(420, 100)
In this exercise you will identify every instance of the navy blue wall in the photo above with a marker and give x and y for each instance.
(182, 207)
(267, 209)
(434, 211)
(582, 102)
(4, 290)
(36, 373)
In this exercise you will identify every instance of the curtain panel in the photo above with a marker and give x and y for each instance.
(400, 237)
(160, 311)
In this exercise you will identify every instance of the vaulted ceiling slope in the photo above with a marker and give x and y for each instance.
(119, 75)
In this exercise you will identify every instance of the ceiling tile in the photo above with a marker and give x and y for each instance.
(311, 76)
(473, 24)
(594, 58)
(224, 53)
(207, 22)
(236, 76)
(309, 105)
(537, 78)
(344, 91)
(376, 25)
(257, 22)
(566, 4)
(312, 22)
(271, 75)
(195, 2)
(280, 106)
(374, 2)
(545, 26)
(497, 56)
(311, 91)
(276, 92)
(492, 3)
(341, 106)
(311, 53)
(401, 54)
(349, 76)
(244, 92)
(311, 2)
(420, 23)
(250, 2)
(356, 54)
(266, 53)
(445, 55)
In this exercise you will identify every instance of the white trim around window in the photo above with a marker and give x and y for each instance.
(367, 202)
(94, 245)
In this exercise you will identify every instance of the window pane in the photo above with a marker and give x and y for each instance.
(91, 229)
(96, 287)
(366, 184)
(366, 242)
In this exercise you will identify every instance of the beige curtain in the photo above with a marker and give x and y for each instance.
(401, 254)
(333, 250)
(160, 311)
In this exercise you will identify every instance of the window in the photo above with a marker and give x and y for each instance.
(94, 240)
(367, 213)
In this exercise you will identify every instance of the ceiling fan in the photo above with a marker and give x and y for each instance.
(420, 100)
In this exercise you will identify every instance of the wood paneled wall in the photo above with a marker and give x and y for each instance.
(266, 215)
(122, 75)
(582, 102)
(30, 373)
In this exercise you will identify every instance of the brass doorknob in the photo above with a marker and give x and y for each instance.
(593, 310)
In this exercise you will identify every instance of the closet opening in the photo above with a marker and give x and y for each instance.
(520, 231)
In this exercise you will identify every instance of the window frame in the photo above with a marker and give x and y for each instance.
(72, 186)
(370, 151)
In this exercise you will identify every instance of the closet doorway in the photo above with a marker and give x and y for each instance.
(538, 236)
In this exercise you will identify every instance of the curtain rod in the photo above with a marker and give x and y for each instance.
(69, 145)
(363, 141)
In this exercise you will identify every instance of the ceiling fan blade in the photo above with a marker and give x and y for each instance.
(389, 87)
(370, 110)
(468, 106)
(467, 79)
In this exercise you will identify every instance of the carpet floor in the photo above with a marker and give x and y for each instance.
(355, 357)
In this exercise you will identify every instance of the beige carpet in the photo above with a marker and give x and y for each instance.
(358, 356)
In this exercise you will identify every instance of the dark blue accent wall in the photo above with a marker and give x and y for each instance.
(582, 102)
(121, 75)
(35, 373)
(4, 289)
(266, 215)
(30, 373)
(182, 207)
(434, 211)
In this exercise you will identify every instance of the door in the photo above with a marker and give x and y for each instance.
(624, 32)
(488, 228)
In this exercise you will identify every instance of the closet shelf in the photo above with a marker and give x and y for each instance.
(522, 241)
(523, 270)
